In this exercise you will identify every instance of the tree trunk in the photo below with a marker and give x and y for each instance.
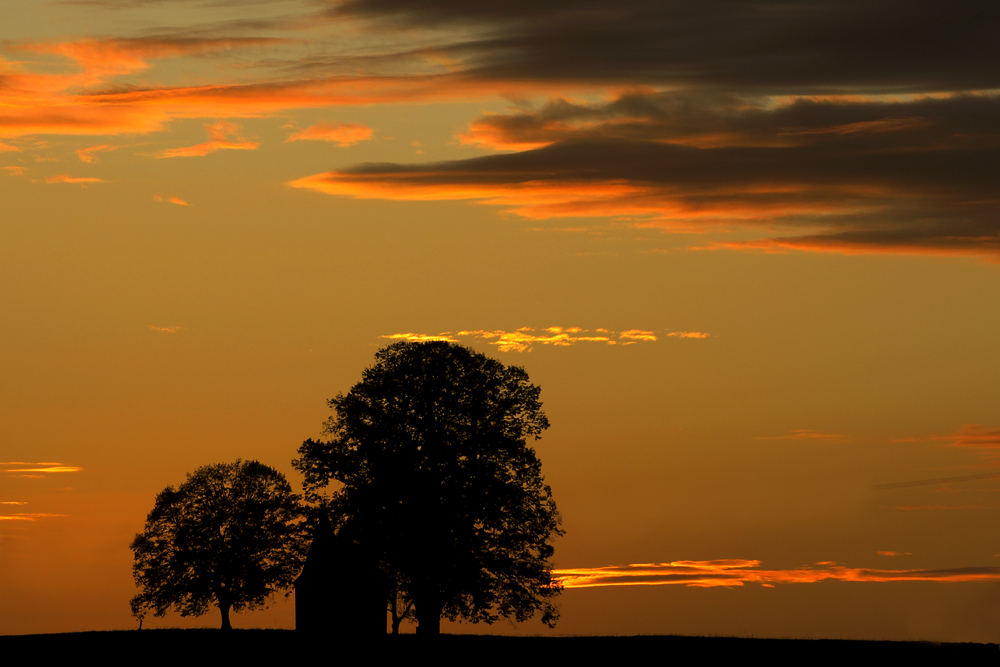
(428, 617)
(224, 608)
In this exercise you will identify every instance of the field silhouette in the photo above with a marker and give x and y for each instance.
(202, 646)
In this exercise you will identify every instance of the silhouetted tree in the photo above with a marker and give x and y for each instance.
(231, 535)
(400, 605)
(435, 474)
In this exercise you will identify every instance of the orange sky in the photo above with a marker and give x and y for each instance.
(748, 252)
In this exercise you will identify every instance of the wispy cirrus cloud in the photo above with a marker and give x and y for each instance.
(46, 468)
(14, 170)
(803, 434)
(945, 507)
(26, 516)
(342, 134)
(173, 329)
(938, 481)
(87, 154)
(974, 436)
(173, 199)
(81, 99)
(738, 572)
(223, 135)
(77, 180)
(523, 339)
(688, 334)
(39, 470)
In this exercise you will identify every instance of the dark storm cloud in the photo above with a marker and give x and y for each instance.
(832, 46)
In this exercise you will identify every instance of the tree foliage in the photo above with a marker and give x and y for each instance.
(231, 535)
(435, 475)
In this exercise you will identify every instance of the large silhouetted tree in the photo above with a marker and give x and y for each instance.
(436, 476)
(231, 535)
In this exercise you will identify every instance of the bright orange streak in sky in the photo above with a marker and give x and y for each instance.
(737, 572)
(984, 248)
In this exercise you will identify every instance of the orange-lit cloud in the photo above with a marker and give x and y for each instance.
(638, 334)
(99, 59)
(47, 468)
(85, 99)
(24, 516)
(975, 436)
(12, 502)
(941, 244)
(689, 334)
(803, 434)
(223, 135)
(684, 139)
(166, 329)
(894, 553)
(64, 178)
(81, 99)
(945, 507)
(737, 572)
(171, 200)
(87, 154)
(6, 148)
(936, 481)
(815, 176)
(14, 170)
(422, 338)
(342, 134)
(522, 340)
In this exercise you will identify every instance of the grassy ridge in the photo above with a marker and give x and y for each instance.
(163, 646)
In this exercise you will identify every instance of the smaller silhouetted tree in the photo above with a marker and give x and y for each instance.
(231, 535)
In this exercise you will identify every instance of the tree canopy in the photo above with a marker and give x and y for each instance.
(436, 477)
(231, 535)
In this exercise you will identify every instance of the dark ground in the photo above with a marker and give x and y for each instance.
(285, 646)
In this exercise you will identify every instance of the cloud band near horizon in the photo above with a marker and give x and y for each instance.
(738, 572)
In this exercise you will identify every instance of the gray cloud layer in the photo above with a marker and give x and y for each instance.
(768, 47)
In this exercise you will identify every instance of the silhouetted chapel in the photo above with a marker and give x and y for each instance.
(339, 591)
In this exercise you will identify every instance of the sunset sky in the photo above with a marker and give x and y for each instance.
(750, 251)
